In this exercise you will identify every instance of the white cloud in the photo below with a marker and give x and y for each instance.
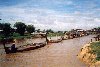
(46, 18)
(97, 20)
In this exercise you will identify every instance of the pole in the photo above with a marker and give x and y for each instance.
(4, 41)
(46, 38)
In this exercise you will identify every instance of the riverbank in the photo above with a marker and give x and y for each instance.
(90, 54)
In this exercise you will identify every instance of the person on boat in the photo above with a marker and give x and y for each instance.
(13, 48)
(91, 40)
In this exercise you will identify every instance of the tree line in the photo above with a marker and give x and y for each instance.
(19, 27)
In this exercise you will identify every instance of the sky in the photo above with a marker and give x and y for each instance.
(52, 14)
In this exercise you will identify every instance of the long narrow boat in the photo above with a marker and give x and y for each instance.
(31, 47)
(26, 47)
(54, 41)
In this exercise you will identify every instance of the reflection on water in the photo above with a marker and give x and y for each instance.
(62, 54)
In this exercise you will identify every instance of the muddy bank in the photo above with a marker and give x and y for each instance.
(86, 55)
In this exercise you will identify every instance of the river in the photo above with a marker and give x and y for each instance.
(62, 54)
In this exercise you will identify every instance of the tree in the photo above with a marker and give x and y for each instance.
(60, 31)
(44, 31)
(30, 29)
(6, 33)
(38, 30)
(1, 25)
(49, 31)
(20, 28)
(6, 29)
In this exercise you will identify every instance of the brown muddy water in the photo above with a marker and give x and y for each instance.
(62, 54)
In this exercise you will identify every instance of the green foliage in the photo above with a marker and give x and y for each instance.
(1, 37)
(38, 30)
(20, 28)
(1, 26)
(44, 31)
(95, 46)
(55, 34)
(6, 29)
(16, 34)
(30, 29)
(49, 31)
(65, 32)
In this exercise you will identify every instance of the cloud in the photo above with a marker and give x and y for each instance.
(43, 14)
(46, 19)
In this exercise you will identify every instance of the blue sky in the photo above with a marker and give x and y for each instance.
(54, 14)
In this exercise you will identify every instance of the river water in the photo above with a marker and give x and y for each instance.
(62, 54)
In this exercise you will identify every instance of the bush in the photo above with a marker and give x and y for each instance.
(95, 46)
(1, 37)
(16, 34)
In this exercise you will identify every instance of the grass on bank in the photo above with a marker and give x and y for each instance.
(95, 46)
(17, 36)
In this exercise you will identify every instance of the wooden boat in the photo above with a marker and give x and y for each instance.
(54, 41)
(31, 47)
(25, 47)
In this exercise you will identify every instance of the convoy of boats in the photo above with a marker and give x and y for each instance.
(67, 35)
